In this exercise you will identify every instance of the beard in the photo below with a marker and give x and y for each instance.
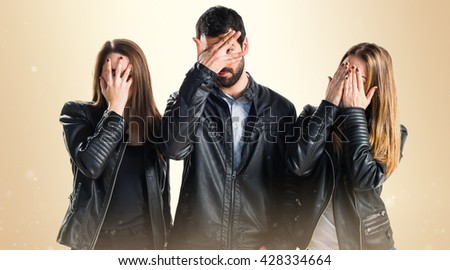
(236, 75)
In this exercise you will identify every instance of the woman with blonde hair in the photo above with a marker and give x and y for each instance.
(120, 198)
(345, 150)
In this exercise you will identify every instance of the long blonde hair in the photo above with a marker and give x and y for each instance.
(382, 113)
(143, 110)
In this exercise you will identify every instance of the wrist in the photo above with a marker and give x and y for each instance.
(117, 108)
(332, 101)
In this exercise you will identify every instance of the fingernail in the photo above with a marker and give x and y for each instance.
(121, 58)
(357, 69)
(107, 60)
(346, 77)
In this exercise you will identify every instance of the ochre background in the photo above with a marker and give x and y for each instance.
(48, 49)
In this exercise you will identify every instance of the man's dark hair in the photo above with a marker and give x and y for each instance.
(218, 20)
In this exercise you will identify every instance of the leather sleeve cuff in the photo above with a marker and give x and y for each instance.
(323, 118)
(204, 73)
(355, 126)
(114, 124)
(197, 84)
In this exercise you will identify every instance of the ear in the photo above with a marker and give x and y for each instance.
(245, 45)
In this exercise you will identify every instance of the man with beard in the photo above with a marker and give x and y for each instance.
(231, 133)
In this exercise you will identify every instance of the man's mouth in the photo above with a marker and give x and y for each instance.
(224, 72)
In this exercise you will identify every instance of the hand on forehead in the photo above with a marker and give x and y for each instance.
(208, 41)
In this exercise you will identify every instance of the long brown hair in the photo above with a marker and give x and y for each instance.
(382, 113)
(142, 111)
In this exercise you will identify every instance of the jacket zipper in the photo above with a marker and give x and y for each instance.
(373, 230)
(97, 233)
(360, 227)
(233, 177)
(374, 216)
(230, 218)
(161, 195)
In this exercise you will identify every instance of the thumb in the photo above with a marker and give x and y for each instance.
(371, 93)
(102, 84)
(130, 82)
(198, 44)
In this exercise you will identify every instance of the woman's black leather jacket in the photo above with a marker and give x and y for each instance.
(354, 184)
(96, 141)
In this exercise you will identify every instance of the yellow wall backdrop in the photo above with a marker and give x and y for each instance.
(48, 49)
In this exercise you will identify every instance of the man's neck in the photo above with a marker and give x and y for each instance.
(238, 88)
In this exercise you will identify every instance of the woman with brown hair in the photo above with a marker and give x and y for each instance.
(346, 149)
(120, 198)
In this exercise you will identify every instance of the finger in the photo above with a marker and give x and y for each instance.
(227, 40)
(329, 79)
(343, 64)
(360, 80)
(107, 71)
(199, 45)
(343, 69)
(342, 83)
(224, 41)
(129, 83)
(335, 75)
(371, 93)
(236, 35)
(350, 82)
(102, 84)
(237, 55)
(231, 34)
(339, 88)
(127, 72)
(338, 75)
(355, 81)
(119, 69)
(346, 85)
(231, 61)
(234, 58)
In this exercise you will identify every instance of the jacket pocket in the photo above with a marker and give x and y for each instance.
(376, 223)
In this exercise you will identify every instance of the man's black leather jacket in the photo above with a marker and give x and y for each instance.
(220, 208)
(354, 184)
(95, 141)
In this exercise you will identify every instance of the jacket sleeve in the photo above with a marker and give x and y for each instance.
(90, 147)
(309, 136)
(364, 172)
(183, 112)
(311, 131)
